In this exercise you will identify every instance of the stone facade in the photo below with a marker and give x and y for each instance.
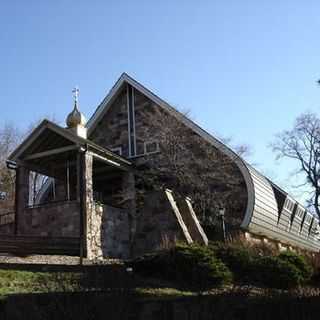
(115, 232)
(112, 130)
(53, 220)
(92, 214)
(143, 108)
(160, 224)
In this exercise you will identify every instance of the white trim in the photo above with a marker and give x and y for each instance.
(50, 152)
(134, 123)
(289, 205)
(308, 218)
(129, 126)
(150, 142)
(300, 212)
(94, 155)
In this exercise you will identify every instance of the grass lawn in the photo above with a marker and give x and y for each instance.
(14, 282)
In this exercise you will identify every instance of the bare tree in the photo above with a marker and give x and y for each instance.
(192, 167)
(9, 138)
(302, 144)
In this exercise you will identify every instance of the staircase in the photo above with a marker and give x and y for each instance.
(26, 245)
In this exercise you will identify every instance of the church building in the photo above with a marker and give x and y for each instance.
(139, 176)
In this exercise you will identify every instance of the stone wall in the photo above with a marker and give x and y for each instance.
(59, 219)
(115, 232)
(112, 129)
(143, 108)
(112, 132)
(159, 224)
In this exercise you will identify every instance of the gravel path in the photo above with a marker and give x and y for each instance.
(54, 260)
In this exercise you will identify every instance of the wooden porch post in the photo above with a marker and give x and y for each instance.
(21, 198)
(16, 204)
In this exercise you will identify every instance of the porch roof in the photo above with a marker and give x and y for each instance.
(50, 141)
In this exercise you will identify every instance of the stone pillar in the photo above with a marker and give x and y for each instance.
(21, 200)
(129, 197)
(92, 217)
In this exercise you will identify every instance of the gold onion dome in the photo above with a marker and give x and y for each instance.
(75, 118)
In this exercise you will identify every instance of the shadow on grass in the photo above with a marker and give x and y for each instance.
(127, 305)
(110, 292)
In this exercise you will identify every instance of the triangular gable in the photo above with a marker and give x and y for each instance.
(126, 79)
(36, 133)
(66, 135)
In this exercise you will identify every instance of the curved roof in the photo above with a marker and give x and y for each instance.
(264, 214)
(271, 218)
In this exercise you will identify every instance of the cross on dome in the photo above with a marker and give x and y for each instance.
(75, 94)
(75, 118)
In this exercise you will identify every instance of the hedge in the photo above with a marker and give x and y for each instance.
(201, 268)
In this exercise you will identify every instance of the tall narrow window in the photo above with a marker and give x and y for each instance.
(131, 121)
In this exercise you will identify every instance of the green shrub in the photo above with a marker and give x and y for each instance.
(204, 267)
(152, 264)
(199, 267)
(274, 272)
(189, 266)
(238, 259)
(285, 270)
(299, 262)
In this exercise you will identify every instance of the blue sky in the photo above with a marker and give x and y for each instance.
(245, 69)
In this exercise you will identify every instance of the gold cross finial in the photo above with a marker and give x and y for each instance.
(75, 94)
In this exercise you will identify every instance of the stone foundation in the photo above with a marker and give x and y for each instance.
(115, 232)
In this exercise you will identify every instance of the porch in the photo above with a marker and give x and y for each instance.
(67, 190)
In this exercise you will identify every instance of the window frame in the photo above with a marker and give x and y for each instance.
(150, 142)
(114, 150)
